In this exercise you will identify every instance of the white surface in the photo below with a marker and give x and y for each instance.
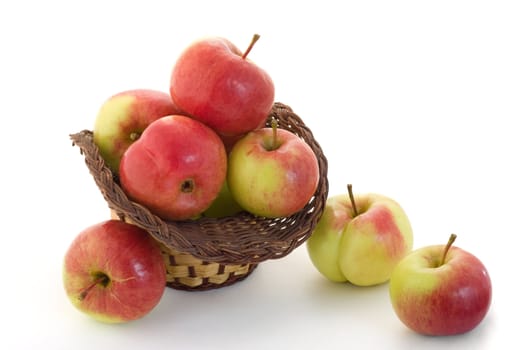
(422, 101)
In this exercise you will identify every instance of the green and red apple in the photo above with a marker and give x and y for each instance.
(360, 239)
(123, 117)
(176, 169)
(114, 272)
(440, 290)
(218, 85)
(272, 172)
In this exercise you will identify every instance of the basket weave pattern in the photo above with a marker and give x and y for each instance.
(185, 270)
(215, 252)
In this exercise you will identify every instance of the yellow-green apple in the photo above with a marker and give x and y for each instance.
(217, 84)
(360, 239)
(272, 172)
(123, 117)
(440, 290)
(176, 168)
(114, 272)
(223, 205)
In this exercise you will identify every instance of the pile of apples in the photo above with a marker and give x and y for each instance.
(367, 240)
(177, 153)
(205, 148)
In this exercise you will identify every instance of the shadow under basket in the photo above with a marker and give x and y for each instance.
(210, 253)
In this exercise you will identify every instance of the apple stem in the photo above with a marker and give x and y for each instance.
(254, 40)
(447, 247)
(274, 133)
(102, 279)
(352, 200)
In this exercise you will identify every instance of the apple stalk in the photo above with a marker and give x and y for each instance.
(447, 248)
(250, 47)
(275, 144)
(352, 199)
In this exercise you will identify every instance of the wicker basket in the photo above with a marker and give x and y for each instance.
(215, 252)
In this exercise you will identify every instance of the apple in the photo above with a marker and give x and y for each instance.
(176, 169)
(123, 117)
(272, 172)
(217, 84)
(223, 205)
(360, 239)
(440, 290)
(114, 272)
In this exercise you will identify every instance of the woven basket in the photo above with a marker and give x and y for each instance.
(215, 252)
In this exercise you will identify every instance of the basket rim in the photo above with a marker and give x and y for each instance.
(206, 240)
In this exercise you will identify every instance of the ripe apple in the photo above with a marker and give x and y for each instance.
(214, 82)
(440, 290)
(272, 172)
(114, 272)
(176, 168)
(360, 239)
(123, 117)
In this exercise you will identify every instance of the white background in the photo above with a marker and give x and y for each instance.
(422, 101)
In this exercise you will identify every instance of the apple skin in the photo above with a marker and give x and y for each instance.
(223, 205)
(272, 182)
(131, 260)
(176, 168)
(362, 249)
(124, 116)
(216, 85)
(440, 300)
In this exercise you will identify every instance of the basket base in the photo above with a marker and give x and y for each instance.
(186, 272)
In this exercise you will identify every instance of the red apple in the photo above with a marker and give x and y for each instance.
(215, 82)
(272, 172)
(440, 290)
(114, 272)
(123, 117)
(176, 168)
